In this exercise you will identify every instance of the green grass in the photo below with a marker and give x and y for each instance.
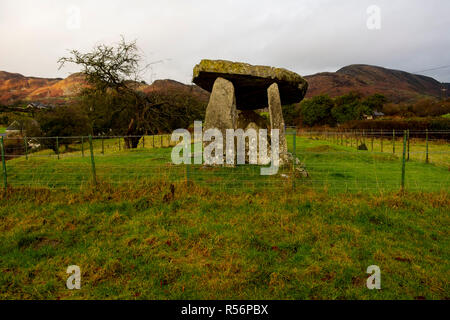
(228, 234)
(2, 129)
(333, 167)
(145, 242)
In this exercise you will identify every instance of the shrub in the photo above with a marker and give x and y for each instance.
(63, 122)
(413, 124)
(317, 110)
(375, 102)
(427, 107)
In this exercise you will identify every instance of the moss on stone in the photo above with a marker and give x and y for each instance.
(240, 68)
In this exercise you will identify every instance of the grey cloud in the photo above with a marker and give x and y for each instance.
(305, 36)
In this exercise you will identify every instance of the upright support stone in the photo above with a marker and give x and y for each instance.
(238, 90)
(221, 112)
(277, 120)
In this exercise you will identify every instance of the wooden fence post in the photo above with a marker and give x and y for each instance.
(26, 147)
(57, 147)
(408, 144)
(381, 140)
(94, 176)
(403, 160)
(393, 141)
(5, 176)
(371, 133)
(82, 146)
(293, 159)
(426, 137)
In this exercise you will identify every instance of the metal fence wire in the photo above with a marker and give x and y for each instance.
(338, 161)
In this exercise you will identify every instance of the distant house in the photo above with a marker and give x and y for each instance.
(377, 114)
(13, 129)
(39, 105)
(374, 115)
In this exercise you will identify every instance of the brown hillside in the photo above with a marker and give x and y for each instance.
(397, 85)
(174, 87)
(15, 87)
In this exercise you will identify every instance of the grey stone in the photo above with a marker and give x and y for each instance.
(237, 89)
(276, 118)
(363, 147)
(251, 82)
(221, 111)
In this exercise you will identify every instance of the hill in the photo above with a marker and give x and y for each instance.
(15, 87)
(398, 86)
(174, 87)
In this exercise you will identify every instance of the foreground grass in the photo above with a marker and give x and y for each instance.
(147, 242)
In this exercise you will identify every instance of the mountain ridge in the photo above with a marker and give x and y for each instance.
(397, 85)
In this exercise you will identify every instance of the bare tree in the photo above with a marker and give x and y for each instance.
(113, 74)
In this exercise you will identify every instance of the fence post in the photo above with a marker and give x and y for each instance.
(393, 141)
(94, 178)
(404, 160)
(381, 140)
(408, 144)
(119, 143)
(57, 147)
(358, 137)
(153, 141)
(371, 133)
(187, 173)
(5, 177)
(26, 147)
(426, 137)
(82, 146)
(294, 156)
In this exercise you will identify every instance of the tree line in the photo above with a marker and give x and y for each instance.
(322, 110)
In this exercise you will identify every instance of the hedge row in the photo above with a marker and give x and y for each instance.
(414, 124)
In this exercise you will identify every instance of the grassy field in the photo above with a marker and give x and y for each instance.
(148, 242)
(145, 233)
(332, 167)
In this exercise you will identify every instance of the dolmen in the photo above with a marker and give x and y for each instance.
(238, 89)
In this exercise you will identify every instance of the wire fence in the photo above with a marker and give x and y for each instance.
(338, 161)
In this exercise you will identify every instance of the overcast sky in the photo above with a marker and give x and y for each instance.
(305, 36)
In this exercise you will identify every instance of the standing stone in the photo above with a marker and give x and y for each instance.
(276, 119)
(221, 112)
(239, 89)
